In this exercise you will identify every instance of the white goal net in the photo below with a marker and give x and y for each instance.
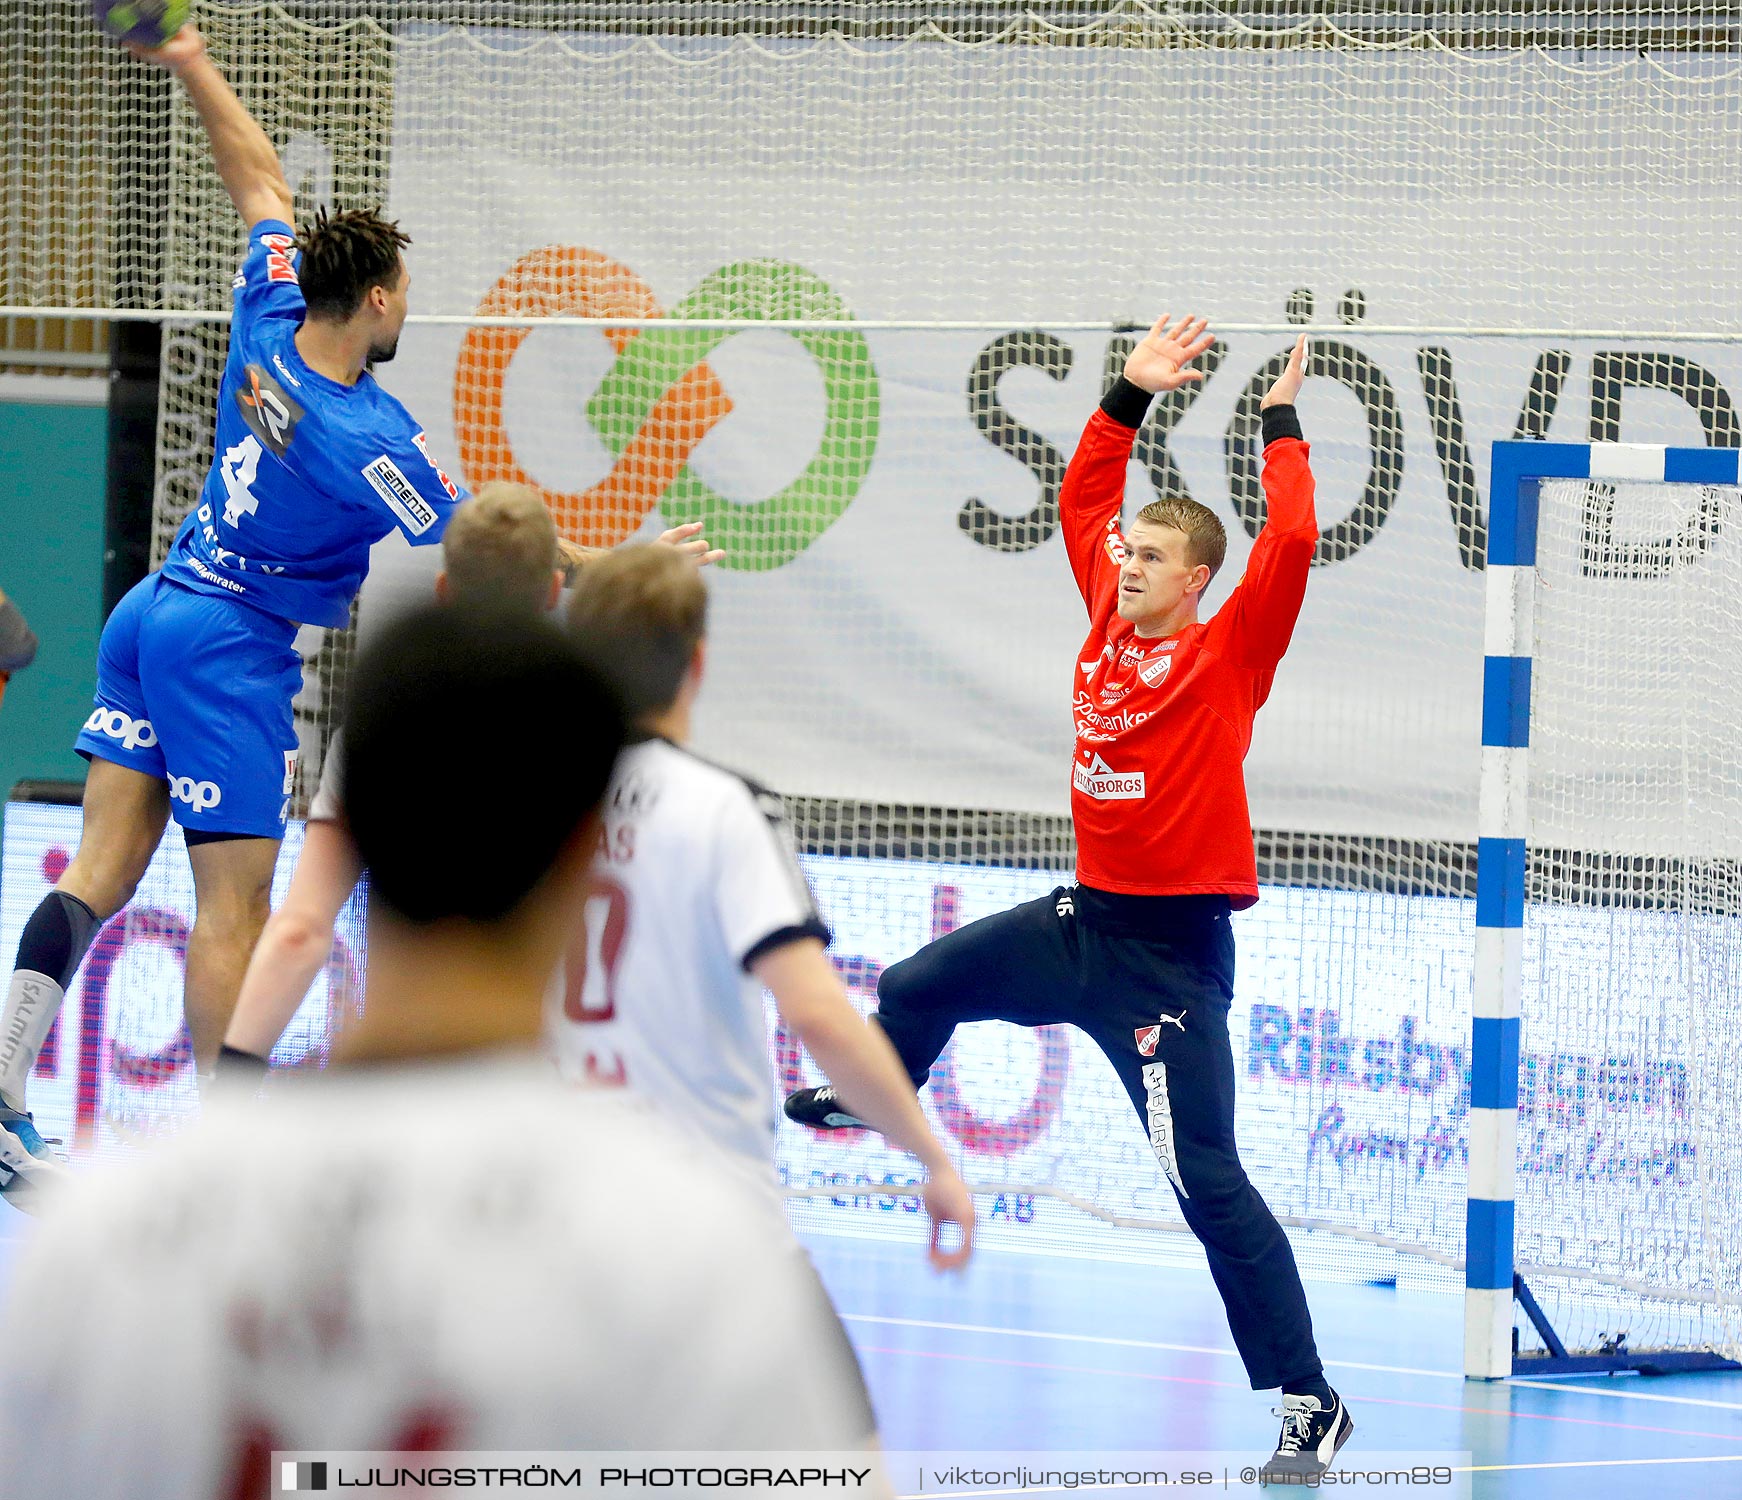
(1629, 1161)
(890, 252)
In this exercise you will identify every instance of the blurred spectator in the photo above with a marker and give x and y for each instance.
(17, 639)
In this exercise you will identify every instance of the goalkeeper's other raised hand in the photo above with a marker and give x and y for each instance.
(1287, 385)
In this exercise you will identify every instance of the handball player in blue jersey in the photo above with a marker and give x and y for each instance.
(314, 463)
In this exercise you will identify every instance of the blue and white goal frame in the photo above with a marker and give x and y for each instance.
(1490, 1278)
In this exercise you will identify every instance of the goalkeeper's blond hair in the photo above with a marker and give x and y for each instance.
(1206, 540)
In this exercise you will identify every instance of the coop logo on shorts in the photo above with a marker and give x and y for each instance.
(1100, 781)
(201, 796)
(134, 734)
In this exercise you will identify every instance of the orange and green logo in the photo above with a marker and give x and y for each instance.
(661, 398)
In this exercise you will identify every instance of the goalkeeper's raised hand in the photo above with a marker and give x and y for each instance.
(1287, 385)
(1159, 361)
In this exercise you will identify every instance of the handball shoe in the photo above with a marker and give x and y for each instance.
(29, 1166)
(821, 1110)
(1311, 1435)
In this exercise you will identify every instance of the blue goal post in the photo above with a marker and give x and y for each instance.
(1492, 1282)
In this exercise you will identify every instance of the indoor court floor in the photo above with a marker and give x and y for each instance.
(1028, 1354)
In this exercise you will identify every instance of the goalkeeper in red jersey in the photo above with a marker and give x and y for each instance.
(1140, 953)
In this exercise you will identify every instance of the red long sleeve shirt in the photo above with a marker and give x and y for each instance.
(1158, 793)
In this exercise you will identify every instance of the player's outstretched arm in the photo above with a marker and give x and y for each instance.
(864, 1068)
(297, 939)
(1256, 623)
(1094, 483)
(688, 539)
(246, 162)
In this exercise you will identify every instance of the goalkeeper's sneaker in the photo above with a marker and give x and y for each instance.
(29, 1166)
(1311, 1436)
(821, 1110)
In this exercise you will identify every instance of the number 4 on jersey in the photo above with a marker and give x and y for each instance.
(240, 467)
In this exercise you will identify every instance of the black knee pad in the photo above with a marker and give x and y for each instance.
(56, 937)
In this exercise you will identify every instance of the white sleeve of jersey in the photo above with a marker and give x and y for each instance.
(163, 1329)
(760, 892)
(93, 1349)
(328, 802)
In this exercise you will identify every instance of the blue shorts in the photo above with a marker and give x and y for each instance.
(196, 690)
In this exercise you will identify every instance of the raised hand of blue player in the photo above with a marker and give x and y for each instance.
(1159, 361)
(186, 46)
(688, 539)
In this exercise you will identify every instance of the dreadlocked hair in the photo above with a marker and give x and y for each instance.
(345, 254)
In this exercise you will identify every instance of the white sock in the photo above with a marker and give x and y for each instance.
(31, 1006)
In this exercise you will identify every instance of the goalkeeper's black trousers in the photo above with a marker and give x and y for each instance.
(1150, 980)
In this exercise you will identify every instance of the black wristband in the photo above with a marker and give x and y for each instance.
(1126, 403)
(1279, 422)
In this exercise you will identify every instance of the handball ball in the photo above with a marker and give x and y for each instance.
(145, 23)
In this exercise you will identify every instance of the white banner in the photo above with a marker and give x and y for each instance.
(1351, 1042)
(118, 1065)
(877, 634)
(1352, 1055)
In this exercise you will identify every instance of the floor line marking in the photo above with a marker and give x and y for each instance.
(1095, 1338)
(1603, 1463)
(1340, 1364)
(1473, 1411)
(1555, 1385)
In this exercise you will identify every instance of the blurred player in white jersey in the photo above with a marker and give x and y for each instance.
(501, 549)
(698, 903)
(338, 1270)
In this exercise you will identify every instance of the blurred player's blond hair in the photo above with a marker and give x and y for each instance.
(501, 548)
(639, 613)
